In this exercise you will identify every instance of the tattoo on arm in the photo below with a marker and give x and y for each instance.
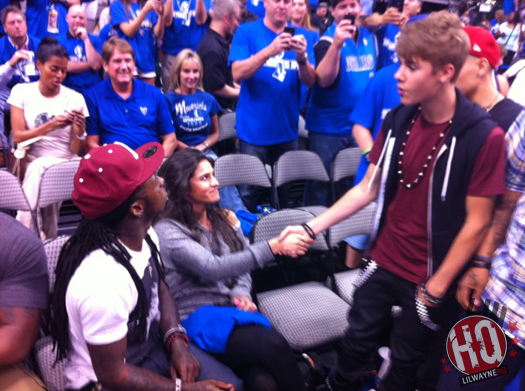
(501, 220)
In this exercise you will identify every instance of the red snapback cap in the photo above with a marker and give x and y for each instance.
(109, 174)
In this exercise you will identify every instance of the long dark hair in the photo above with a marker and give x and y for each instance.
(92, 235)
(177, 172)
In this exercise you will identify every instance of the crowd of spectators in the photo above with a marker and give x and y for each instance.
(151, 82)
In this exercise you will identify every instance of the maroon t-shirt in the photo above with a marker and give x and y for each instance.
(402, 246)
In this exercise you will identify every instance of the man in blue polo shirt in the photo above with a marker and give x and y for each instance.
(84, 51)
(17, 56)
(124, 109)
(270, 64)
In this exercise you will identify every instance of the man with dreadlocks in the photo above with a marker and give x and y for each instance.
(111, 305)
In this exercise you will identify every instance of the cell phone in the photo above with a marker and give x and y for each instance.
(350, 17)
(290, 30)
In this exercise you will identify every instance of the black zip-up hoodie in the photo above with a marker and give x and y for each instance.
(450, 173)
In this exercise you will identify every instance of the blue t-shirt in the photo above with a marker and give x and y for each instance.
(6, 52)
(106, 33)
(268, 108)
(144, 43)
(76, 49)
(184, 32)
(37, 14)
(387, 37)
(192, 115)
(329, 108)
(257, 7)
(135, 121)
(380, 96)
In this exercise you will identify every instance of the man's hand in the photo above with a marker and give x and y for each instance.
(244, 303)
(433, 290)
(208, 385)
(343, 31)
(298, 44)
(291, 229)
(20, 55)
(471, 287)
(183, 362)
(81, 33)
(280, 44)
(392, 16)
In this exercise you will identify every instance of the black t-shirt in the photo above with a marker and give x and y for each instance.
(214, 51)
(504, 113)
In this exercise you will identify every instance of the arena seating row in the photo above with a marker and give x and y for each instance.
(309, 315)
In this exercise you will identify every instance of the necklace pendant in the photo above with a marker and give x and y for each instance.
(408, 186)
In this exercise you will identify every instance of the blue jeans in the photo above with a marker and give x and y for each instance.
(267, 154)
(210, 368)
(326, 146)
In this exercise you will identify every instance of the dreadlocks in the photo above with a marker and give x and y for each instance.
(93, 235)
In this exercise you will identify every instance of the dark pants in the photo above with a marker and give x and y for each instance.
(263, 359)
(210, 368)
(414, 346)
(268, 154)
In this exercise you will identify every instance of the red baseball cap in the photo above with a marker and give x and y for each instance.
(109, 174)
(483, 45)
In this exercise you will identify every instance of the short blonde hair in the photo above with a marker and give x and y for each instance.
(438, 39)
(113, 44)
(185, 55)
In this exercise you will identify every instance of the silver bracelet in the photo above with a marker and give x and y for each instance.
(206, 144)
(178, 384)
(174, 330)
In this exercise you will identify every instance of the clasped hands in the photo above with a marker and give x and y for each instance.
(292, 242)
